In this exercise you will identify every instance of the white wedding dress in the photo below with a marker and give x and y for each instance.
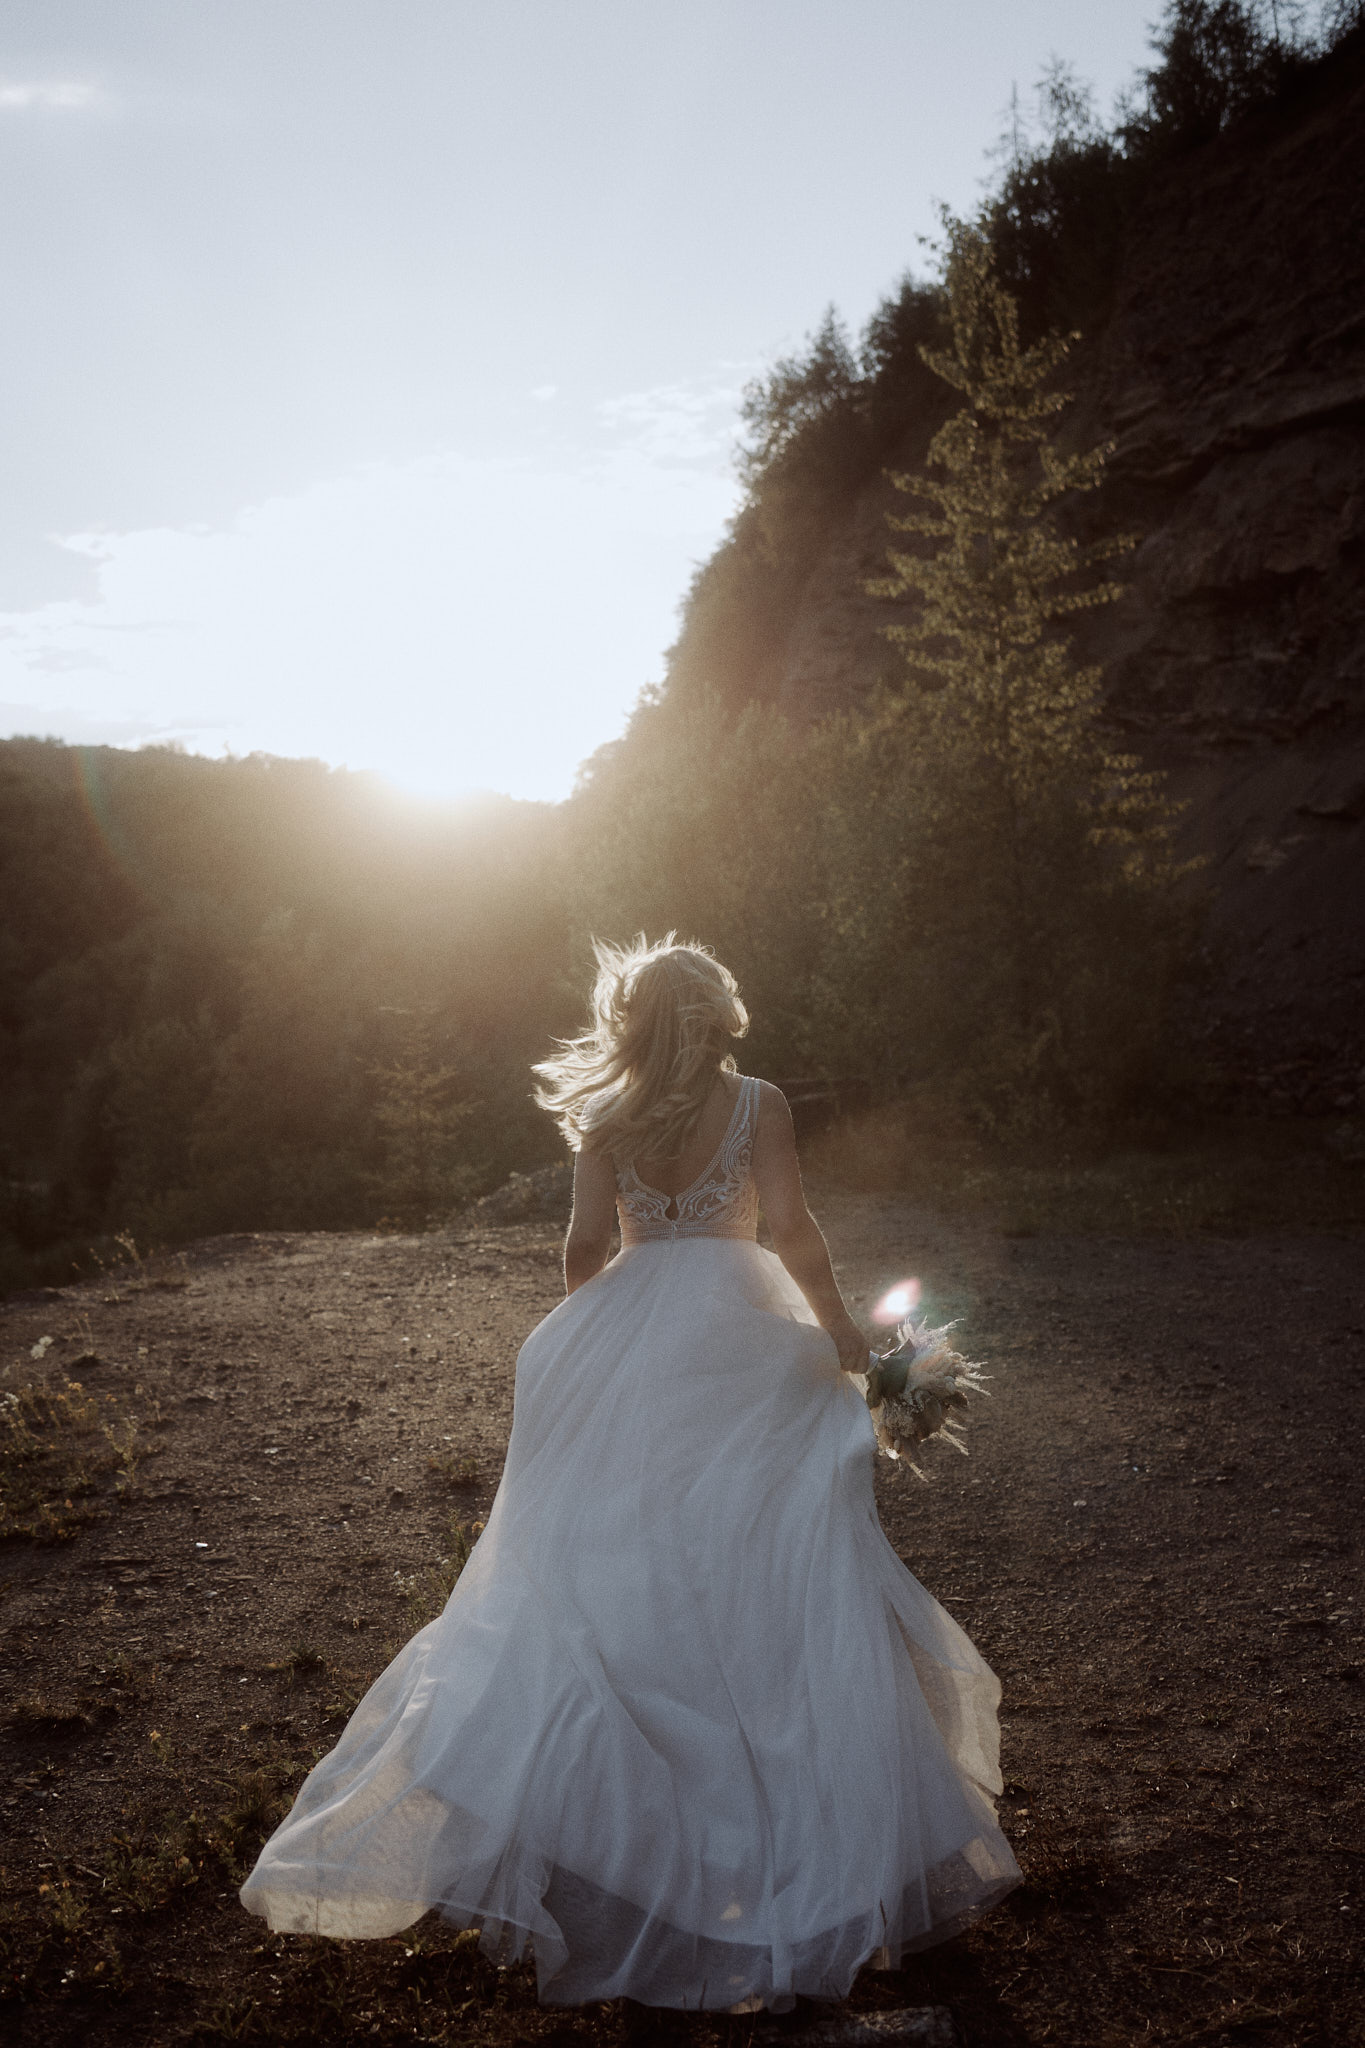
(687, 1730)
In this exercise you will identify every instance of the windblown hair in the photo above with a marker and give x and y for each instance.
(635, 1082)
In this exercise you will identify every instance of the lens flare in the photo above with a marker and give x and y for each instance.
(103, 822)
(898, 1302)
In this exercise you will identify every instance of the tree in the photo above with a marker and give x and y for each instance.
(1218, 59)
(419, 1112)
(1057, 216)
(799, 395)
(1007, 722)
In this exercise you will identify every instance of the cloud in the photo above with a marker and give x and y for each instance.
(77, 728)
(54, 661)
(692, 423)
(57, 95)
(455, 623)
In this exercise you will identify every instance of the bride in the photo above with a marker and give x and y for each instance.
(687, 1731)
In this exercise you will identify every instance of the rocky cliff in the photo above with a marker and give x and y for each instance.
(1229, 372)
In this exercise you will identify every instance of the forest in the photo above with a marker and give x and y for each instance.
(255, 994)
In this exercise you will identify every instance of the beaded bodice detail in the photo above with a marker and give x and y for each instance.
(721, 1202)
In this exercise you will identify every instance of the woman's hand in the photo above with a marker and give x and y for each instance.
(852, 1345)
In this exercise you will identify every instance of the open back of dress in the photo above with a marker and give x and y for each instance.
(721, 1202)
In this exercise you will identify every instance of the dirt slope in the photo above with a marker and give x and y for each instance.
(1155, 1540)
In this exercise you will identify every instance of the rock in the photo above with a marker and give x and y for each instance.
(546, 1194)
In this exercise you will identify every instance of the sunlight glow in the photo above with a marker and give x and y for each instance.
(387, 619)
(898, 1302)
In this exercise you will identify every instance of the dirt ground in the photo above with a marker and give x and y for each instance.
(1155, 1541)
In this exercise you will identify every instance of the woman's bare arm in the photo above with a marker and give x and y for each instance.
(797, 1238)
(594, 1212)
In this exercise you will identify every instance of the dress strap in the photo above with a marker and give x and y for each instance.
(748, 1088)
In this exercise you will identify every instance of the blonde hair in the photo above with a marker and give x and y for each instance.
(635, 1082)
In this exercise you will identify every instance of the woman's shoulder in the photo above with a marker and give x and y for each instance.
(774, 1134)
(770, 1104)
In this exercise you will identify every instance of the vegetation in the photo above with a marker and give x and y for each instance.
(261, 994)
(243, 994)
(823, 422)
(63, 1453)
(956, 887)
(1069, 184)
(1065, 837)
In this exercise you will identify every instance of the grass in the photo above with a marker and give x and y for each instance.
(63, 1453)
(145, 1869)
(302, 1661)
(38, 1715)
(458, 1469)
(129, 1271)
(80, 1926)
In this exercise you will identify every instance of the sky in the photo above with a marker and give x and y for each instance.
(372, 367)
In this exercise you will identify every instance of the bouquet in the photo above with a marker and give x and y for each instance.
(917, 1391)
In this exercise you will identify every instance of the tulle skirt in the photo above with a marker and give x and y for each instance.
(687, 1730)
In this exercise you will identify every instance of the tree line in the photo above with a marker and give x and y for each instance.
(251, 994)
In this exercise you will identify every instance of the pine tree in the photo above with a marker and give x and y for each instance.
(992, 682)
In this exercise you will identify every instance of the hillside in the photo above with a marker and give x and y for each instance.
(1226, 363)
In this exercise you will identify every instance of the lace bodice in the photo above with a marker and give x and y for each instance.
(721, 1202)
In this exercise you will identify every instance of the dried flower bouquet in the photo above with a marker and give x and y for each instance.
(917, 1391)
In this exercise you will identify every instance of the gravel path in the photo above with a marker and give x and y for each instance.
(1155, 1540)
